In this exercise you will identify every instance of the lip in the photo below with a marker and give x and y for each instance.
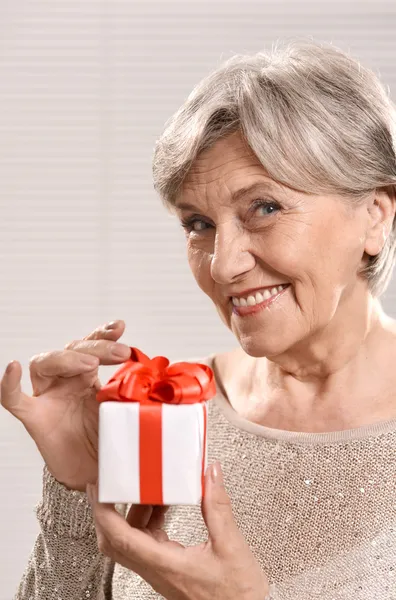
(250, 310)
(251, 290)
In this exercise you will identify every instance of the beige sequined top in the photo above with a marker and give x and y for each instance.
(317, 509)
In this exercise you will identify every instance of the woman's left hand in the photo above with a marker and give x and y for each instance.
(222, 568)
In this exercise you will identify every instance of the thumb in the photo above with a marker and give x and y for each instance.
(217, 509)
(12, 397)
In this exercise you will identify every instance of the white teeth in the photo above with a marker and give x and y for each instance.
(258, 297)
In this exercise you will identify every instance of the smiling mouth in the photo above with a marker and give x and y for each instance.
(259, 296)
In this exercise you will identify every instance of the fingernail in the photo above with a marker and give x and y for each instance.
(111, 325)
(216, 473)
(9, 367)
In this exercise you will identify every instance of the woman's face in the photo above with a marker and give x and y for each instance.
(314, 243)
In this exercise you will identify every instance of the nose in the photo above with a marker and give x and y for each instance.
(231, 257)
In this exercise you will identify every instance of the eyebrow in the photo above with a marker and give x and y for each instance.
(256, 187)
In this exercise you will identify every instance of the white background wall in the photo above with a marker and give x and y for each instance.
(85, 88)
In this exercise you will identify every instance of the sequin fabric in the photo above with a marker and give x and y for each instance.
(318, 512)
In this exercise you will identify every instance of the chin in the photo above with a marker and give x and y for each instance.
(258, 349)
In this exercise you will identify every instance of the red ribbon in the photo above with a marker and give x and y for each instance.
(147, 381)
(151, 383)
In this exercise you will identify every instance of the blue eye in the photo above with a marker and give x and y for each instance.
(267, 204)
(188, 224)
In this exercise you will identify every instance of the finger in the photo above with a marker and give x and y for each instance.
(139, 515)
(62, 363)
(157, 519)
(157, 522)
(147, 516)
(46, 366)
(109, 331)
(217, 512)
(108, 352)
(140, 549)
(12, 398)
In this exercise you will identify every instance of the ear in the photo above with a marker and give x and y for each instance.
(381, 208)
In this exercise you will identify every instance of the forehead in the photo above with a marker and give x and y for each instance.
(228, 155)
(229, 167)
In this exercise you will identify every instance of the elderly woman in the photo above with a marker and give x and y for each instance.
(281, 168)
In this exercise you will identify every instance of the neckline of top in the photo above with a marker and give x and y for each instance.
(300, 437)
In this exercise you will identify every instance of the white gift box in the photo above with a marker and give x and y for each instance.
(179, 453)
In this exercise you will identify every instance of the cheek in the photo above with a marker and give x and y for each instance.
(288, 258)
(302, 254)
(199, 263)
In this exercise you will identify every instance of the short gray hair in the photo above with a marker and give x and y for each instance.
(317, 120)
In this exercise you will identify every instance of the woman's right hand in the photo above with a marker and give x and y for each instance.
(62, 416)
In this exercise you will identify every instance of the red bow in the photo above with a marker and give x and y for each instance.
(147, 381)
